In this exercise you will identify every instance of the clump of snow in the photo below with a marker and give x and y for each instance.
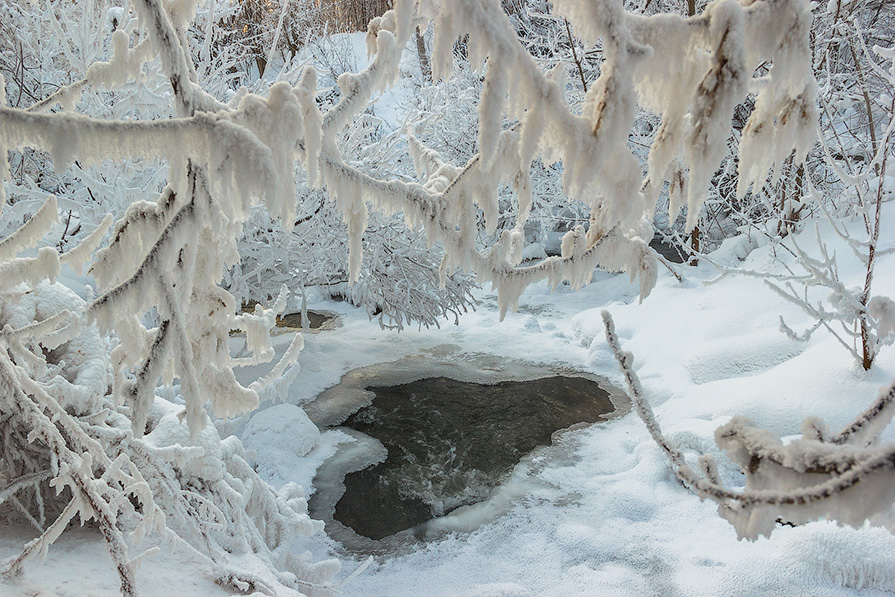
(78, 372)
(199, 457)
(124, 65)
(283, 428)
(882, 310)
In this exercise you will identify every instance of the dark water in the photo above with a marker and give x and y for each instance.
(293, 320)
(451, 442)
(316, 319)
(670, 252)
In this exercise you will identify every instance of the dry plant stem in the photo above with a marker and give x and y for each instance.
(694, 247)
(868, 350)
(47, 103)
(425, 66)
(871, 125)
(575, 55)
(882, 409)
(641, 406)
(668, 266)
(28, 480)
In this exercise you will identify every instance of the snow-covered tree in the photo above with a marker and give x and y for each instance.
(847, 181)
(70, 448)
(399, 281)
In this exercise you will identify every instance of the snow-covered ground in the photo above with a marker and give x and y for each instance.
(608, 517)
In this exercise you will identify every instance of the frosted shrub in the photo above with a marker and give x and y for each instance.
(138, 464)
(862, 322)
(863, 318)
(399, 282)
(70, 450)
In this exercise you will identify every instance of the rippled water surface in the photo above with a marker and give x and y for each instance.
(451, 442)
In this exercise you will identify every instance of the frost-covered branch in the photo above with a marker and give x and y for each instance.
(845, 477)
(65, 442)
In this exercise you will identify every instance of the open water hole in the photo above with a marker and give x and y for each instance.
(317, 320)
(433, 446)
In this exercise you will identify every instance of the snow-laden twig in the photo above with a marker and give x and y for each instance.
(30, 232)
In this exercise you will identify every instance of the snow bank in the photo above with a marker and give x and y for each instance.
(278, 429)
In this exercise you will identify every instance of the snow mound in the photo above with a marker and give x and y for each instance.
(278, 430)
(740, 356)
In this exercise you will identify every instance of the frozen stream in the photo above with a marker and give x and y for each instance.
(441, 446)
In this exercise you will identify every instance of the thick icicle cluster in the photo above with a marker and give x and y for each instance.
(693, 72)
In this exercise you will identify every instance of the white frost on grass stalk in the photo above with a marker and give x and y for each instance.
(864, 319)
